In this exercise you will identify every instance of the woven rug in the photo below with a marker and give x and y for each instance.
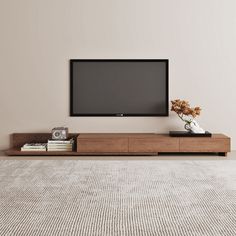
(117, 198)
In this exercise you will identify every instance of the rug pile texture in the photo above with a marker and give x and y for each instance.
(107, 198)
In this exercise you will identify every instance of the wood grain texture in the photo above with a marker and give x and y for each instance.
(204, 144)
(154, 144)
(102, 145)
(18, 152)
(121, 135)
(125, 144)
(19, 139)
(220, 136)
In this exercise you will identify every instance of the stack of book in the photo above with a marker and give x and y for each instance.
(40, 147)
(61, 145)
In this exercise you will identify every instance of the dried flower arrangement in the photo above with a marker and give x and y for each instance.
(185, 112)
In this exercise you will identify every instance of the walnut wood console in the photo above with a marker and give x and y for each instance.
(150, 144)
(17, 140)
(126, 144)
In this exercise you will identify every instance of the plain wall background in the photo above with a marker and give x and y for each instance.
(39, 37)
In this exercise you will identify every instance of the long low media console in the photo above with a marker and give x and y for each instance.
(125, 144)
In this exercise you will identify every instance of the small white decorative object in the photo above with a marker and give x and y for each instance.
(194, 127)
(187, 114)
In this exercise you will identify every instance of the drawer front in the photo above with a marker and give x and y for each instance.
(154, 145)
(102, 145)
(204, 145)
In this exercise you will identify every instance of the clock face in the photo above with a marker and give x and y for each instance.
(57, 134)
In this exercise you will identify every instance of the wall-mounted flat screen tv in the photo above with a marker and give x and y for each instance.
(119, 87)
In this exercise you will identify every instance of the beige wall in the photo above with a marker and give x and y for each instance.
(38, 37)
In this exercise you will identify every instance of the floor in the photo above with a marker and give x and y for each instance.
(230, 156)
(196, 192)
(118, 198)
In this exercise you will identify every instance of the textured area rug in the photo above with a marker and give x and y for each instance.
(117, 198)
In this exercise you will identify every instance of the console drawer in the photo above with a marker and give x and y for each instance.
(204, 145)
(102, 145)
(154, 144)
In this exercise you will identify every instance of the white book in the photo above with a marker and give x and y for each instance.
(59, 150)
(35, 145)
(30, 148)
(33, 150)
(50, 141)
(60, 145)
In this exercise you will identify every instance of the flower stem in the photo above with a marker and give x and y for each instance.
(181, 117)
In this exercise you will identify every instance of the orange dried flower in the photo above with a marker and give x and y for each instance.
(182, 107)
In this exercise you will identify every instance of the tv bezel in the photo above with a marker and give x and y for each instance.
(119, 115)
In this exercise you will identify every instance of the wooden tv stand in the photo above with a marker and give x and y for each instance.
(150, 144)
(125, 144)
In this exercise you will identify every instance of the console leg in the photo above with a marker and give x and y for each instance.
(223, 154)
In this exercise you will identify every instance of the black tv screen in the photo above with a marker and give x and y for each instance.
(119, 87)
